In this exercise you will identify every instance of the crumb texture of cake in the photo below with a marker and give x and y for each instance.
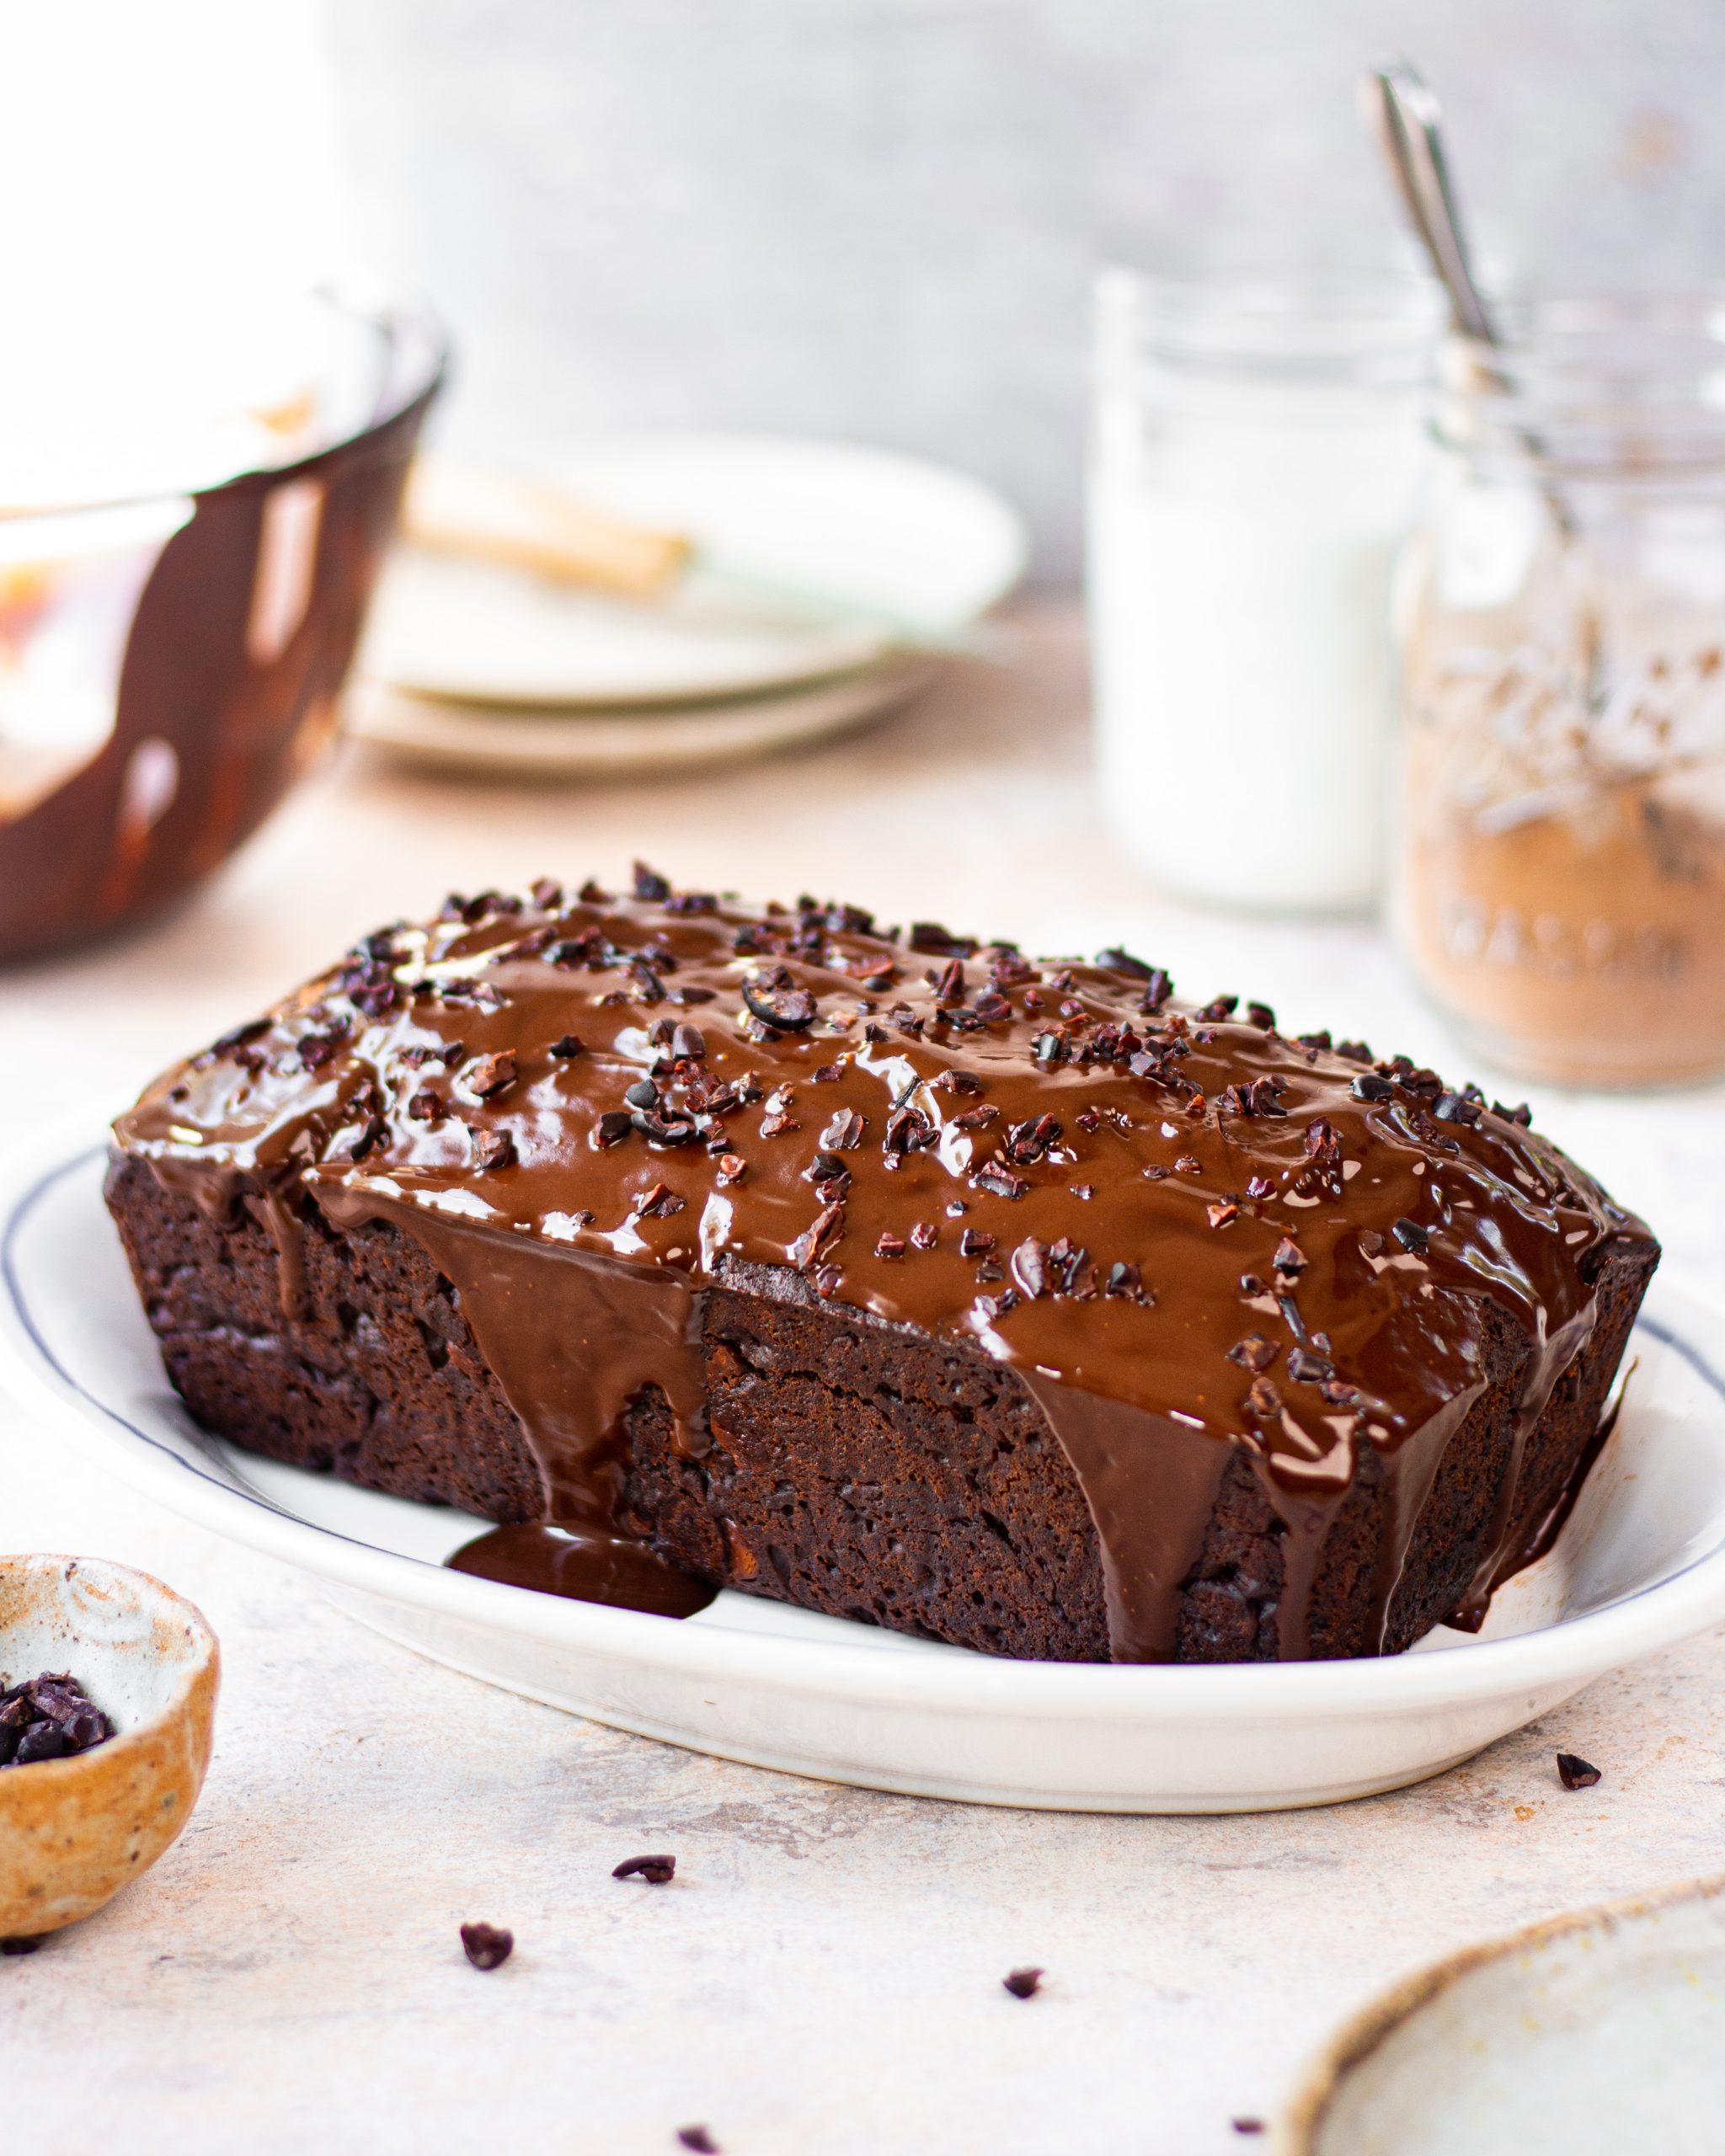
(1010, 1302)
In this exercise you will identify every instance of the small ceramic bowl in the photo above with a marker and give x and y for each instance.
(1598, 2029)
(73, 1832)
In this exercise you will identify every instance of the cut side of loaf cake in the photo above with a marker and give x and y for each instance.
(1013, 1304)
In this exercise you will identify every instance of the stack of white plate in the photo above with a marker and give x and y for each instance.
(828, 582)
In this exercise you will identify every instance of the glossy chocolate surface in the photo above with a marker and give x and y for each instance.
(1188, 1232)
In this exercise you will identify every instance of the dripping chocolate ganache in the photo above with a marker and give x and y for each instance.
(1013, 1304)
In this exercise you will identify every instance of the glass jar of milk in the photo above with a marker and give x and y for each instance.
(1256, 452)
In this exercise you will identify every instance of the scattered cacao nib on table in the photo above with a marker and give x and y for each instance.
(654, 1870)
(49, 1717)
(1024, 1984)
(699, 2138)
(1576, 1774)
(487, 1946)
(18, 1946)
(1248, 2126)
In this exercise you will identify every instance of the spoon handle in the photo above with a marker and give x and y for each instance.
(1406, 117)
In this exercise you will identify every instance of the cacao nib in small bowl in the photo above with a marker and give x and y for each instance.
(118, 1757)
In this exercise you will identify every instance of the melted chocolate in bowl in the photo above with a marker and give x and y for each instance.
(226, 692)
(1188, 1234)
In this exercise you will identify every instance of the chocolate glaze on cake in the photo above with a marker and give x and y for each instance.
(1197, 1241)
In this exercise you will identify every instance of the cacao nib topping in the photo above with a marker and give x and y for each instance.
(316, 1049)
(974, 1242)
(568, 1046)
(1254, 1352)
(890, 1244)
(976, 1119)
(656, 1870)
(1223, 1213)
(1260, 1014)
(614, 1126)
(372, 1134)
(425, 1105)
(817, 1242)
(699, 2138)
(992, 1007)
(1260, 1186)
(785, 1010)
(1368, 1087)
(909, 1130)
(1263, 1402)
(1124, 1281)
(1289, 1257)
(1410, 1235)
(1000, 1180)
(650, 885)
(1030, 1141)
(492, 1074)
(253, 1029)
(659, 1203)
(1521, 1114)
(1123, 961)
(1306, 1369)
(1024, 1984)
(844, 1134)
(1030, 1267)
(924, 1235)
(1576, 1774)
(494, 1149)
(487, 1946)
(931, 940)
(668, 1128)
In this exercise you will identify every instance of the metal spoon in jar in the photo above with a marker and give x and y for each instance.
(1404, 114)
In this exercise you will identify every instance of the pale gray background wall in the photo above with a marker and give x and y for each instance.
(879, 218)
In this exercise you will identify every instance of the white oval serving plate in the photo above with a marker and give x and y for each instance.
(868, 545)
(579, 743)
(1603, 2028)
(1641, 1565)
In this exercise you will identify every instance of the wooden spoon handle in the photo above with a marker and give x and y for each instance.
(460, 509)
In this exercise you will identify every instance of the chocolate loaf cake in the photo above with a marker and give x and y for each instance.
(1014, 1304)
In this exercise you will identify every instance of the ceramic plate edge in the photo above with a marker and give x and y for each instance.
(1660, 1615)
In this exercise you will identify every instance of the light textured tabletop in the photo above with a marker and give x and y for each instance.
(824, 1973)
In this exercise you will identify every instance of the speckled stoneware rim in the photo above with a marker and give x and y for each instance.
(183, 1637)
(1359, 2038)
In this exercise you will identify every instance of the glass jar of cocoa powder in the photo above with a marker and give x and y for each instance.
(1558, 879)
